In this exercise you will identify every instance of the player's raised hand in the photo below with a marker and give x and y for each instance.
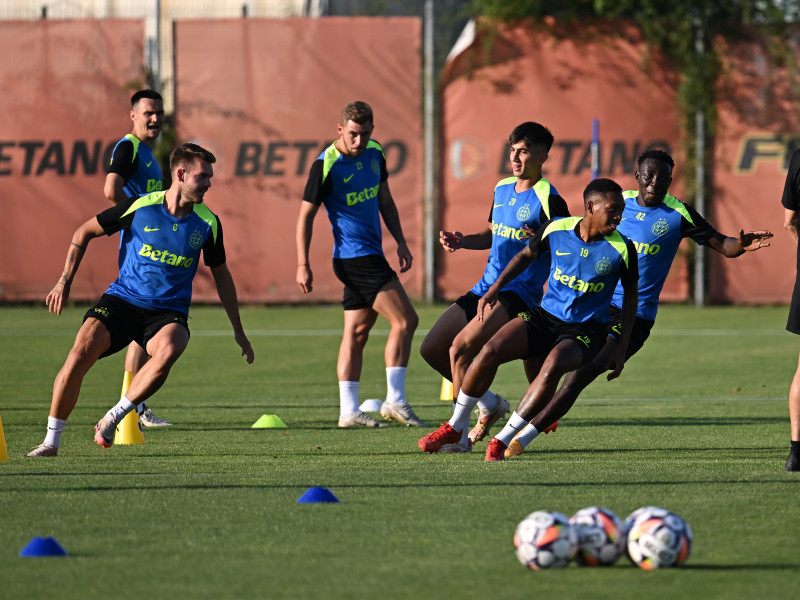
(527, 232)
(451, 240)
(753, 240)
(404, 254)
(57, 297)
(305, 278)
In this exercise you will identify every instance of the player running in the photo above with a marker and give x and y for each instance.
(163, 236)
(521, 204)
(656, 222)
(587, 259)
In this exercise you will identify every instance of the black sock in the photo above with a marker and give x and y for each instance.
(795, 448)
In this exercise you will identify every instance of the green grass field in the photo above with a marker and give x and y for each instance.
(698, 423)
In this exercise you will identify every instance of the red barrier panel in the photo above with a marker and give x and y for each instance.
(65, 102)
(268, 105)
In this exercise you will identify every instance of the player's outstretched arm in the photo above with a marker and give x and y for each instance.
(59, 295)
(227, 295)
(731, 247)
(454, 240)
(305, 227)
(391, 218)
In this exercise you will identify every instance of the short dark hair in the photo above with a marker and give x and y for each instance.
(187, 153)
(357, 112)
(149, 94)
(600, 186)
(656, 154)
(532, 134)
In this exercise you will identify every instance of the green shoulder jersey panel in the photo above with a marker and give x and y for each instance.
(564, 224)
(542, 191)
(201, 210)
(504, 181)
(135, 141)
(154, 198)
(332, 154)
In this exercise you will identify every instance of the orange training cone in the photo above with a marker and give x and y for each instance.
(446, 394)
(3, 449)
(130, 430)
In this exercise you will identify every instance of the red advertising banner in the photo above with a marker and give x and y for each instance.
(758, 129)
(66, 101)
(563, 77)
(268, 105)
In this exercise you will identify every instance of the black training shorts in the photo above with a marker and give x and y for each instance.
(513, 304)
(545, 332)
(363, 277)
(640, 333)
(128, 323)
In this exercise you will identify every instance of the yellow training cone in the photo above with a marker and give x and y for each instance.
(269, 422)
(446, 394)
(3, 449)
(126, 382)
(130, 430)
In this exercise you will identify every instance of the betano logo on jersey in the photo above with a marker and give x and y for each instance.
(504, 231)
(165, 256)
(154, 185)
(577, 284)
(645, 248)
(368, 193)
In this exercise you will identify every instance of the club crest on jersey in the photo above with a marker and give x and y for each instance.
(196, 240)
(376, 166)
(660, 227)
(603, 266)
(524, 213)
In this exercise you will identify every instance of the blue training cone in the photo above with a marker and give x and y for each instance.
(39, 546)
(317, 494)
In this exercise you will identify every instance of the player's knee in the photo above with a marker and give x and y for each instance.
(487, 357)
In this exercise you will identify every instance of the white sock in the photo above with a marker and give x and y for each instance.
(527, 435)
(396, 385)
(55, 427)
(140, 408)
(348, 398)
(120, 409)
(488, 401)
(513, 427)
(461, 411)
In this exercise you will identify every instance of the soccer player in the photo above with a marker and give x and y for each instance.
(521, 204)
(791, 222)
(351, 180)
(163, 236)
(656, 222)
(134, 171)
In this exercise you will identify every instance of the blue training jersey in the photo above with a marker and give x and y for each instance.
(582, 275)
(159, 253)
(137, 165)
(656, 233)
(348, 187)
(510, 211)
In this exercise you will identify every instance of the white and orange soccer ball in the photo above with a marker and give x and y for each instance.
(658, 538)
(601, 536)
(545, 539)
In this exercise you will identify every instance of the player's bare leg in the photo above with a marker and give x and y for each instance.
(793, 462)
(393, 304)
(435, 348)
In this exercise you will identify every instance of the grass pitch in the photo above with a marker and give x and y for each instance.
(698, 423)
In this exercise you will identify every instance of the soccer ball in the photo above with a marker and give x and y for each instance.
(545, 539)
(658, 539)
(601, 536)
